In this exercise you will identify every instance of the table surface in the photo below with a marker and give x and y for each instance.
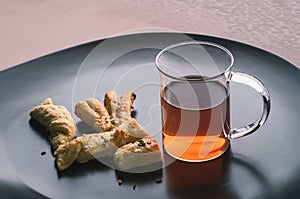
(32, 28)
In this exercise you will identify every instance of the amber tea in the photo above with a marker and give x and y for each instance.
(195, 117)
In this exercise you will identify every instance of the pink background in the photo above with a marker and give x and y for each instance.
(32, 28)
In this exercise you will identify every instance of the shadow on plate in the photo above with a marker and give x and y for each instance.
(215, 178)
(195, 180)
(77, 170)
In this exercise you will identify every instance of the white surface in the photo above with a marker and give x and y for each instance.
(32, 28)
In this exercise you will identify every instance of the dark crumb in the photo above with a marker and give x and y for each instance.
(158, 180)
(134, 186)
(120, 182)
(141, 143)
(43, 153)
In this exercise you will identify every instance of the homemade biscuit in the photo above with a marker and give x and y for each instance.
(94, 114)
(57, 120)
(140, 153)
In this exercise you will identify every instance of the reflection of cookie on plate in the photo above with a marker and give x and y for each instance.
(140, 153)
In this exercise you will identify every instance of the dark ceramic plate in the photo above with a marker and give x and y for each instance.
(262, 165)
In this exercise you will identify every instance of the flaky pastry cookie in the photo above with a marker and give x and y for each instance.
(57, 120)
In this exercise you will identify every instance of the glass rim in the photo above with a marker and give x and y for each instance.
(228, 52)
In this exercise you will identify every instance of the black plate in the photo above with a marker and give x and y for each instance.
(263, 165)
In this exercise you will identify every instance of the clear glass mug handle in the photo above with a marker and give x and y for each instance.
(263, 91)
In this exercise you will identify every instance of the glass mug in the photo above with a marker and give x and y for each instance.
(194, 90)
